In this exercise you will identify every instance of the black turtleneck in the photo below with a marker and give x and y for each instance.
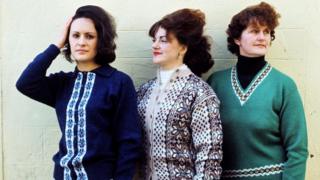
(247, 68)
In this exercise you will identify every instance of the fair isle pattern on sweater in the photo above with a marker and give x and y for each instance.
(81, 128)
(244, 95)
(162, 127)
(82, 142)
(253, 172)
(187, 132)
(145, 91)
(110, 145)
(70, 121)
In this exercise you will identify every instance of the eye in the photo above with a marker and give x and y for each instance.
(267, 31)
(89, 36)
(75, 35)
(255, 31)
(163, 40)
(153, 40)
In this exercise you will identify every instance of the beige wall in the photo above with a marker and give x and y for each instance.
(29, 131)
(1, 72)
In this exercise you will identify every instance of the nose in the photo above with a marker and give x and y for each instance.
(82, 41)
(155, 44)
(261, 35)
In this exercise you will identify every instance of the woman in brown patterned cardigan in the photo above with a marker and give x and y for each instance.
(179, 111)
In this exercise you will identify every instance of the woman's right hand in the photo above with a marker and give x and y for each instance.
(63, 35)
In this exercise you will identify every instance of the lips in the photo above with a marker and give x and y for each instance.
(260, 45)
(81, 51)
(156, 53)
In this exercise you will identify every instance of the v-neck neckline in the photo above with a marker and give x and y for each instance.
(244, 94)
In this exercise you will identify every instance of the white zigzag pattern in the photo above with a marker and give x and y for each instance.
(252, 172)
(240, 93)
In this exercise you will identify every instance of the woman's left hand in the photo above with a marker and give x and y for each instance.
(63, 35)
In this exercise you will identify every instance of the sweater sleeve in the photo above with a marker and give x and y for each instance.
(212, 81)
(207, 138)
(34, 83)
(127, 132)
(294, 134)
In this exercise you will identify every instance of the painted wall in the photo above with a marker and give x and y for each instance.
(29, 130)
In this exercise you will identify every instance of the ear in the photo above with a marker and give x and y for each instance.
(183, 49)
(237, 41)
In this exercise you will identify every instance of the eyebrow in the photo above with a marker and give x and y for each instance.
(259, 27)
(85, 32)
(164, 36)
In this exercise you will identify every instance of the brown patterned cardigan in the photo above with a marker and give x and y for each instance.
(186, 134)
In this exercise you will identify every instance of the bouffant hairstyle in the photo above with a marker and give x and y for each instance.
(105, 27)
(187, 26)
(261, 14)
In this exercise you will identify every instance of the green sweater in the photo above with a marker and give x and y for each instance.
(264, 128)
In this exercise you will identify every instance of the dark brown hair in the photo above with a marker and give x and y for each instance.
(187, 26)
(260, 14)
(105, 27)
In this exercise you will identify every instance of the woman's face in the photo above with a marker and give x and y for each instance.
(254, 41)
(168, 53)
(83, 39)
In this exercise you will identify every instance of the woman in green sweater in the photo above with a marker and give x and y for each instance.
(263, 120)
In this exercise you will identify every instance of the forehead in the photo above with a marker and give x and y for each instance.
(257, 25)
(83, 25)
(161, 32)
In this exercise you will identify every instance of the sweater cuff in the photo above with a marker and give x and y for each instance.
(53, 51)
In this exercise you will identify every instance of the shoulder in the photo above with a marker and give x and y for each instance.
(144, 88)
(61, 75)
(146, 85)
(108, 77)
(219, 75)
(201, 89)
(283, 79)
(113, 75)
(198, 85)
(124, 77)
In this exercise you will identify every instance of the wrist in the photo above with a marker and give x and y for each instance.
(59, 45)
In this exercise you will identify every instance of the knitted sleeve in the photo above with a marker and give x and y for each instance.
(207, 136)
(34, 83)
(127, 131)
(294, 134)
(211, 81)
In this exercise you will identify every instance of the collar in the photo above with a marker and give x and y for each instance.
(164, 76)
(103, 70)
(250, 65)
(182, 70)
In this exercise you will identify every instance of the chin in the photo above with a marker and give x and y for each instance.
(156, 61)
(82, 60)
(260, 53)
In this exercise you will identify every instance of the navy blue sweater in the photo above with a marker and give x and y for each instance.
(97, 115)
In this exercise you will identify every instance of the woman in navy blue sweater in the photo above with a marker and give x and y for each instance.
(95, 104)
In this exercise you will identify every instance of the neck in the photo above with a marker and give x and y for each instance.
(86, 67)
(171, 66)
(164, 75)
(250, 65)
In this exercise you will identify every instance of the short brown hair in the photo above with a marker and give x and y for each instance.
(260, 14)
